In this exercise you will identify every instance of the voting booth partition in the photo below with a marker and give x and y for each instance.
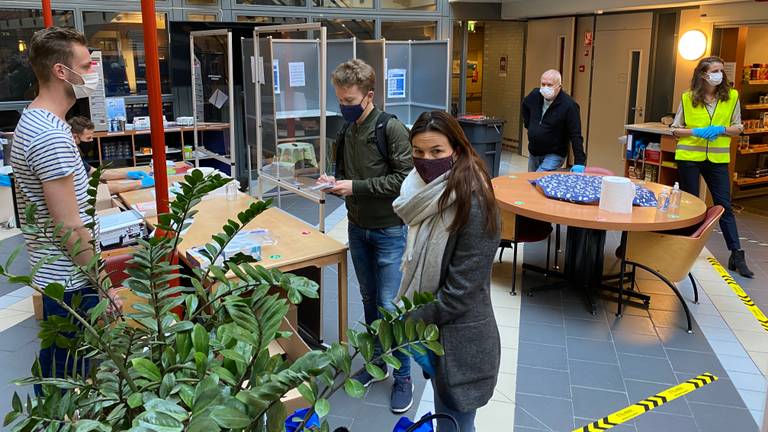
(417, 78)
(291, 109)
(212, 100)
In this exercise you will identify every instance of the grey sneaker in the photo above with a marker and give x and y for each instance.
(402, 395)
(367, 379)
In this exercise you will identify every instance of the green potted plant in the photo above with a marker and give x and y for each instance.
(207, 369)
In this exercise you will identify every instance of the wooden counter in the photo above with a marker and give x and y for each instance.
(298, 245)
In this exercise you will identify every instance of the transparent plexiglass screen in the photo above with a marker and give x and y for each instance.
(211, 80)
(290, 100)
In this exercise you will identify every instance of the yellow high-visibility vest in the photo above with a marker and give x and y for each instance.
(699, 149)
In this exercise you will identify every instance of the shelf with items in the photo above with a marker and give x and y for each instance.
(754, 150)
(657, 161)
(757, 82)
(746, 181)
(755, 131)
(756, 107)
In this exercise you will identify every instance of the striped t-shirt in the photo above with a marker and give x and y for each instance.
(44, 150)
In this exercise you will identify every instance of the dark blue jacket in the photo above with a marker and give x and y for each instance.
(551, 133)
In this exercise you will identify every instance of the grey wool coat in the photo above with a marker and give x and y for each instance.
(466, 375)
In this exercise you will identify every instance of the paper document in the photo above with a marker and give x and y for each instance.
(218, 99)
(296, 76)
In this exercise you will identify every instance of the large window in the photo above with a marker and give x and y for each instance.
(420, 5)
(120, 38)
(16, 29)
(270, 20)
(344, 3)
(408, 30)
(347, 29)
(273, 2)
(192, 16)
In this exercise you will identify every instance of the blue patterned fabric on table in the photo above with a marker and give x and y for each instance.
(585, 189)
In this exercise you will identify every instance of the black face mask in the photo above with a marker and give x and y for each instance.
(430, 169)
(351, 113)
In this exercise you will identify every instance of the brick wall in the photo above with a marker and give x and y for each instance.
(502, 95)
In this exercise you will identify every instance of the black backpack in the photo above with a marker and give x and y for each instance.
(380, 138)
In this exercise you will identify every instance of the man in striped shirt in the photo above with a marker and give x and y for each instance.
(50, 171)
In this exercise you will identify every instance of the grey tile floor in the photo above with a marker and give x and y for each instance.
(753, 233)
(574, 368)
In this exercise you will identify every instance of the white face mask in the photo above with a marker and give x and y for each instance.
(715, 78)
(88, 87)
(547, 92)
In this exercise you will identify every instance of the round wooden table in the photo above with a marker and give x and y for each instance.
(516, 194)
(587, 225)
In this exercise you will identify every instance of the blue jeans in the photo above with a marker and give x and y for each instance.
(719, 183)
(376, 255)
(53, 360)
(466, 420)
(550, 162)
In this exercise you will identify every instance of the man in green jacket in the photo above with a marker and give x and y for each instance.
(369, 175)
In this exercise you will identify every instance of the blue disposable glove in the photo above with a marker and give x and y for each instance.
(577, 169)
(702, 132)
(716, 131)
(147, 182)
(136, 175)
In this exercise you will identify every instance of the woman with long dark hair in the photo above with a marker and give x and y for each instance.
(709, 115)
(448, 203)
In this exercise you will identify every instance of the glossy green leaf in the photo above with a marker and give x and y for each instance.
(231, 418)
(167, 407)
(55, 291)
(391, 360)
(135, 400)
(354, 388)
(158, 422)
(431, 333)
(146, 368)
(375, 371)
(307, 393)
(200, 339)
(385, 335)
(366, 344)
(203, 424)
(322, 407)
(435, 347)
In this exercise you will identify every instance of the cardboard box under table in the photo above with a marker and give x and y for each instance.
(299, 249)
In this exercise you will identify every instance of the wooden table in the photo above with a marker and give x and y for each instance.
(298, 246)
(587, 224)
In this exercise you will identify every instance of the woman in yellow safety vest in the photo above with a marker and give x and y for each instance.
(708, 116)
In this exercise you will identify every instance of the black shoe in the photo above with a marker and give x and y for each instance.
(738, 263)
(367, 379)
(401, 398)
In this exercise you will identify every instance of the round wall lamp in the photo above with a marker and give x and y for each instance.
(692, 45)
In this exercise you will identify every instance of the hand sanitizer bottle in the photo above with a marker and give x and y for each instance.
(674, 198)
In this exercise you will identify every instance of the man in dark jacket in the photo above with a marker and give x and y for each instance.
(369, 180)
(552, 119)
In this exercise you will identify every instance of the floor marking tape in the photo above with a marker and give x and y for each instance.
(739, 291)
(648, 404)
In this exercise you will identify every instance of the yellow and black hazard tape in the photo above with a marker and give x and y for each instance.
(648, 404)
(739, 291)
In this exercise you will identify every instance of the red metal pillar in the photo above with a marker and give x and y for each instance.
(154, 96)
(47, 14)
